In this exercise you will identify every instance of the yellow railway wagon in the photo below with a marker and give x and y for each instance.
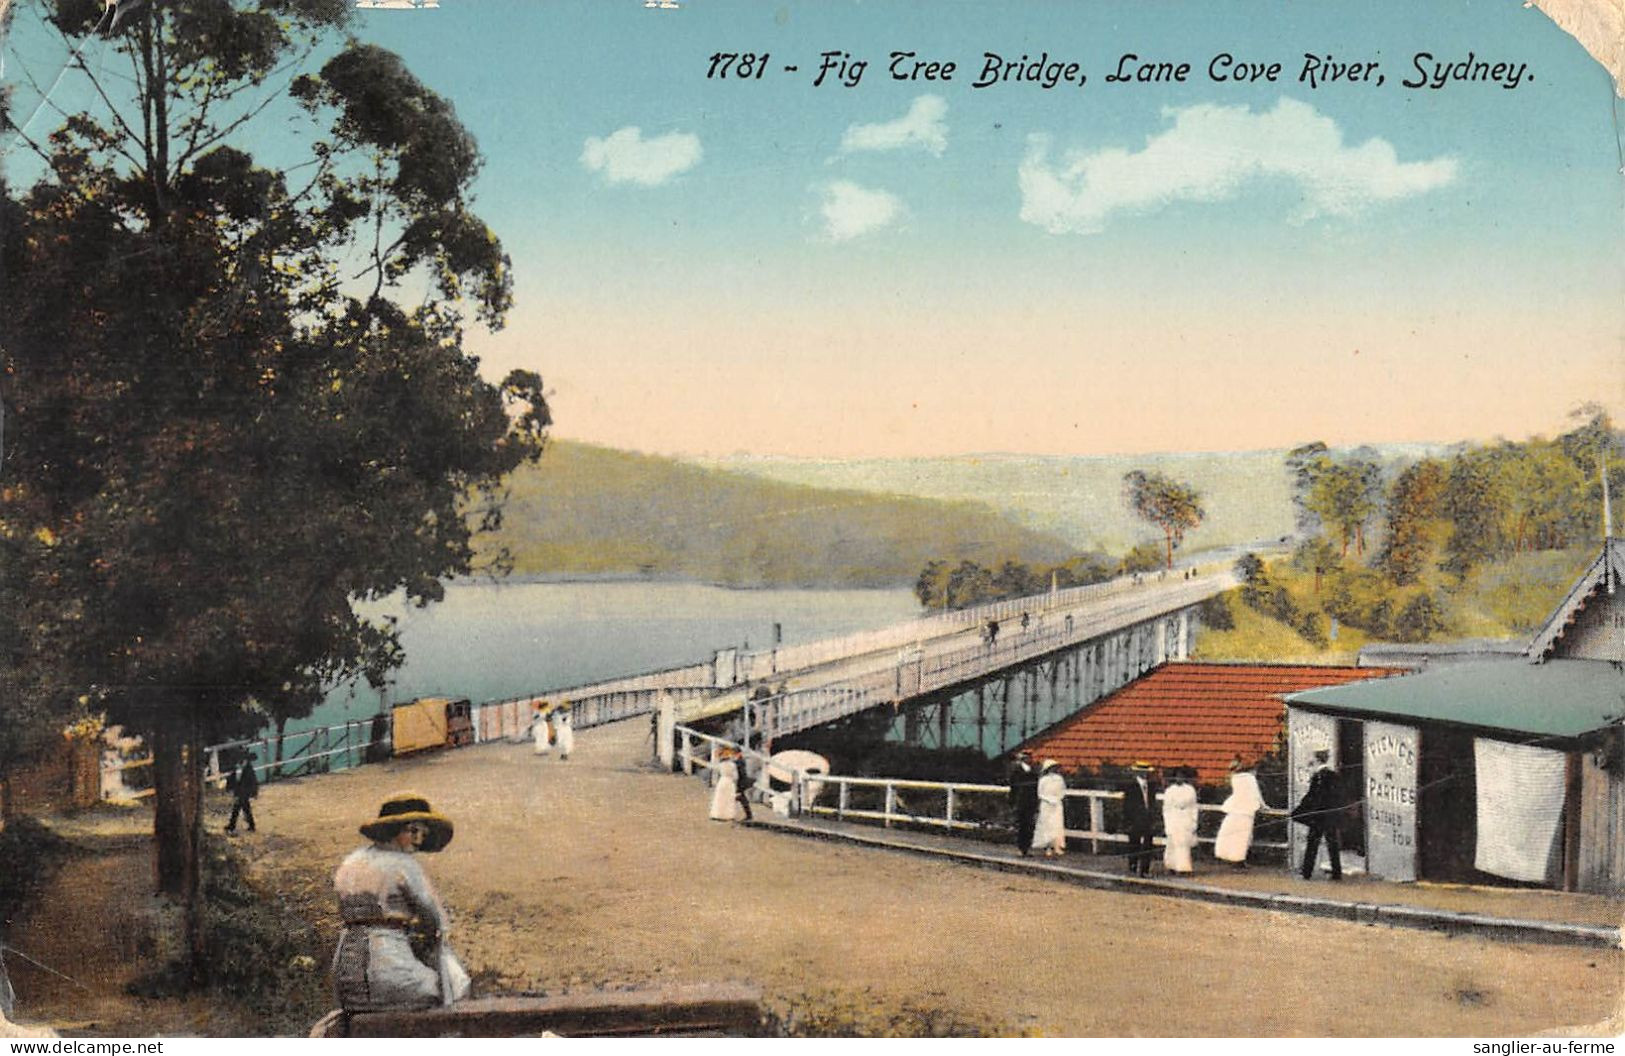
(432, 722)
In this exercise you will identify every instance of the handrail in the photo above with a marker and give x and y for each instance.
(1096, 834)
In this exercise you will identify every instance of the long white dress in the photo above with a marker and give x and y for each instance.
(1178, 826)
(380, 888)
(541, 736)
(1236, 831)
(725, 795)
(564, 735)
(1049, 832)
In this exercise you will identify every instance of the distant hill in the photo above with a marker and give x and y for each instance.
(1246, 494)
(586, 510)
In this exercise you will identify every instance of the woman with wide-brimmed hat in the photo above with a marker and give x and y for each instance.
(1049, 832)
(392, 952)
(1179, 817)
(1241, 807)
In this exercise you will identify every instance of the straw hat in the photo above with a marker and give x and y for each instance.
(1142, 766)
(403, 808)
(1049, 764)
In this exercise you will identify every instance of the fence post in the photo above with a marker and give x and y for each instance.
(688, 754)
(841, 801)
(891, 801)
(1097, 822)
(950, 808)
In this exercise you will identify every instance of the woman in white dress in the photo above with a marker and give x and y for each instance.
(1240, 809)
(725, 793)
(541, 733)
(1178, 823)
(1049, 831)
(564, 734)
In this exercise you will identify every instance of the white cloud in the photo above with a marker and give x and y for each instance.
(850, 210)
(624, 156)
(1208, 154)
(922, 126)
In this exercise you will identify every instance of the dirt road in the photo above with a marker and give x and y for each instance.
(601, 872)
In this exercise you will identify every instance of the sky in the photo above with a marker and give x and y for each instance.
(710, 266)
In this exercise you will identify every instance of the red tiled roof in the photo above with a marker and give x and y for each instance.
(1189, 714)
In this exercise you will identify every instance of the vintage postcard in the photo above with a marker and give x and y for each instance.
(855, 518)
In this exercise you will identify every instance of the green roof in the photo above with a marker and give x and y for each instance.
(1559, 698)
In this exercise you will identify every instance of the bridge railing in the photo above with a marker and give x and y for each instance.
(911, 672)
(760, 664)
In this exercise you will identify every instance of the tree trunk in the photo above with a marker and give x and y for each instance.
(177, 821)
(1169, 536)
(281, 725)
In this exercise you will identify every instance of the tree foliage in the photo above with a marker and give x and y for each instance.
(224, 434)
(1173, 506)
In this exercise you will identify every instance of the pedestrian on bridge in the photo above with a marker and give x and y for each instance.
(1024, 799)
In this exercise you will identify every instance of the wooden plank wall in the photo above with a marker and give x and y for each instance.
(1601, 864)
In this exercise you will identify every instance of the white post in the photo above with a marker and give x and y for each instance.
(950, 824)
(688, 754)
(665, 724)
(1097, 821)
(841, 802)
(891, 802)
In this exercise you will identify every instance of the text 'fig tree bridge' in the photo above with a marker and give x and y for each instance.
(1017, 665)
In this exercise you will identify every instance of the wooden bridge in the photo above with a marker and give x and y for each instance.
(1095, 638)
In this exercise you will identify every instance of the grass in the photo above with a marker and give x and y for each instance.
(1509, 599)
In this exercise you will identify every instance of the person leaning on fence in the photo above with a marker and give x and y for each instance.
(1024, 799)
(244, 787)
(1049, 835)
(1240, 810)
(1178, 822)
(1321, 810)
(392, 952)
(1139, 812)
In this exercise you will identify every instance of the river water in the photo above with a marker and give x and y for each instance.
(487, 641)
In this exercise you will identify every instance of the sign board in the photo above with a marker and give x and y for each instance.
(1390, 800)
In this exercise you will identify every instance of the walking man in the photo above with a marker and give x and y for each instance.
(244, 788)
(1024, 799)
(1321, 810)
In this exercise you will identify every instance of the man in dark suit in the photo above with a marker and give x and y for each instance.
(1139, 813)
(1321, 811)
(1024, 799)
(243, 790)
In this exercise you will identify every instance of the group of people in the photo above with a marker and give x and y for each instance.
(553, 729)
(1038, 793)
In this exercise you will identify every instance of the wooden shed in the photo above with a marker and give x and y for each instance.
(1489, 771)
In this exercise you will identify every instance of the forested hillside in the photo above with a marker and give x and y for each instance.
(1479, 542)
(586, 510)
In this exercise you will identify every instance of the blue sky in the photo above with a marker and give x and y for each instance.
(709, 266)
